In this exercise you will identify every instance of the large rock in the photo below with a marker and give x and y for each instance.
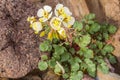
(19, 53)
(110, 76)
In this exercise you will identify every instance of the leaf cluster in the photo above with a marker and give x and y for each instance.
(87, 53)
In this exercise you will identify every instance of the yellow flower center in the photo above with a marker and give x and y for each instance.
(61, 11)
(67, 19)
(46, 14)
(56, 23)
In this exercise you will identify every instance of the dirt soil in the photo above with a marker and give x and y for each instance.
(19, 53)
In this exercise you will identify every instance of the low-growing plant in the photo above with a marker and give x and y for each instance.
(75, 47)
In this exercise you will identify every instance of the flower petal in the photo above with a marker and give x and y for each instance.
(37, 26)
(71, 22)
(65, 24)
(40, 13)
(67, 11)
(58, 6)
(43, 19)
(62, 32)
(50, 15)
(55, 23)
(56, 12)
(47, 8)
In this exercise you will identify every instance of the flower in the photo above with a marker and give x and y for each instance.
(62, 33)
(68, 21)
(61, 11)
(64, 14)
(55, 23)
(37, 26)
(53, 34)
(31, 19)
(45, 13)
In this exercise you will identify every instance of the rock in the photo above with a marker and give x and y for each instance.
(31, 78)
(110, 76)
(4, 79)
(50, 75)
(86, 77)
(19, 53)
(95, 7)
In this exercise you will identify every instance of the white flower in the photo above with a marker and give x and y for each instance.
(45, 13)
(62, 11)
(62, 32)
(37, 26)
(55, 23)
(31, 19)
(68, 21)
(65, 15)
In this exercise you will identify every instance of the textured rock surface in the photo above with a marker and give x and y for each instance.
(110, 76)
(19, 52)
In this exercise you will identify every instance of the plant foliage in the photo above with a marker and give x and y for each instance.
(84, 52)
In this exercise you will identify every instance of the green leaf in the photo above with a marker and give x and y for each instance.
(45, 46)
(78, 26)
(99, 44)
(65, 57)
(44, 57)
(65, 76)
(42, 65)
(90, 16)
(106, 36)
(52, 63)
(59, 49)
(57, 69)
(108, 48)
(112, 59)
(90, 22)
(99, 59)
(84, 40)
(88, 53)
(76, 75)
(77, 59)
(80, 52)
(112, 29)
(88, 61)
(75, 67)
(103, 67)
(91, 69)
(56, 56)
(83, 66)
(93, 46)
(72, 50)
(87, 27)
(94, 28)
